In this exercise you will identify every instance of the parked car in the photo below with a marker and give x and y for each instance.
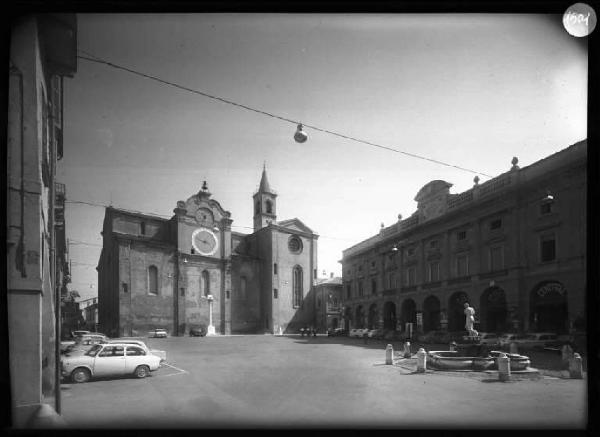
(83, 343)
(308, 331)
(536, 340)
(198, 331)
(489, 338)
(337, 332)
(158, 333)
(75, 334)
(508, 338)
(109, 360)
(140, 343)
(375, 333)
(432, 337)
(358, 332)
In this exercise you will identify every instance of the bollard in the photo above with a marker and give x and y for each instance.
(453, 346)
(389, 354)
(406, 352)
(503, 367)
(421, 360)
(576, 367)
(513, 349)
(566, 355)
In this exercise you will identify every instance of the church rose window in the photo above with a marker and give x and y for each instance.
(295, 245)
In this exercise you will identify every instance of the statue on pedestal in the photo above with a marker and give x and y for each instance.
(470, 319)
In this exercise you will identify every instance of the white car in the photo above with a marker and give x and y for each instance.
(507, 339)
(489, 338)
(140, 343)
(536, 340)
(158, 333)
(110, 360)
(358, 332)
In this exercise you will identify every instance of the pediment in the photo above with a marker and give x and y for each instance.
(296, 225)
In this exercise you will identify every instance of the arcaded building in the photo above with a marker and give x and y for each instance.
(514, 247)
(193, 269)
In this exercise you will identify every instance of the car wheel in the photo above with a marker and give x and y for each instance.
(141, 371)
(80, 375)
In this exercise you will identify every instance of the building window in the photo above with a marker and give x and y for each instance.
(242, 291)
(192, 251)
(275, 268)
(390, 281)
(257, 209)
(547, 248)
(433, 271)
(152, 280)
(410, 251)
(461, 235)
(182, 291)
(275, 293)
(373, 286)
(269, 205)
(496, 258)
(410, 276)
(495, 224)
(143, 228)
(318, 301)
(462, 265)
(295, 244)
(433, 244)
(348, 291)
(546, 208)
(315, 273)
(125, 287)
(297, 286)
(205, 283)
(361, 290)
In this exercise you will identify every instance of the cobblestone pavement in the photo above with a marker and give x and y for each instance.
(269, 381)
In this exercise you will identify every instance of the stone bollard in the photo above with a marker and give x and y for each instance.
(503, 367)
(453, 346)
(407, 353)
(576, 367)
(421, 360)
(513, 349)
(389, 354)
(566, 355)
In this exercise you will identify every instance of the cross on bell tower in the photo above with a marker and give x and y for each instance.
(265, 206)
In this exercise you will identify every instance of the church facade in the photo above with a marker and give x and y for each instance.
(193, 270)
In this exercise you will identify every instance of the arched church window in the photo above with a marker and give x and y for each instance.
(205, 283)
(269, 205)
(257, 208)
(153, 280)
(297, 286)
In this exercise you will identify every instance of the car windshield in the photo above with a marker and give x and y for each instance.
(94, 350)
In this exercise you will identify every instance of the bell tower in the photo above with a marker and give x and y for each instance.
(265, 205)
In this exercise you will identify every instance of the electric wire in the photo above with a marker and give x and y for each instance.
(99, 60)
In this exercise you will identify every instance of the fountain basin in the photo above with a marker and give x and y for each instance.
(453, 360)
(517, 362)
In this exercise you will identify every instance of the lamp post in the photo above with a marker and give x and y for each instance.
(211, 328)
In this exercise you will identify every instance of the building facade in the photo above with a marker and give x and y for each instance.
(192, 269)
(89, 313)
(328, 304)
(42, 52)
(514, 247)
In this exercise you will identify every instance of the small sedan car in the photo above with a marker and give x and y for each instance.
(158, 333)
(198, 331)
(537, 340)
(489, 338)
(83, 343)
(109, 360)
(140, 343)
(358, 332)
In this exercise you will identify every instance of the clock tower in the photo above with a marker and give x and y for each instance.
(265, 206)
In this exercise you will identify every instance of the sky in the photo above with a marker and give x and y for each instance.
(469, 90)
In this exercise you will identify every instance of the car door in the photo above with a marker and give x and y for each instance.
(134, 356)
(110, 361)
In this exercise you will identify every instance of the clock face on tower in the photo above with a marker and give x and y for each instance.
(205, 241)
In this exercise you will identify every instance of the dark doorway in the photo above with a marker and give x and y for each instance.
(373, 317)
(360, 317)
(493, 312)
(409, 312)
(431, 314)
(389, 316)
(548, 309)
